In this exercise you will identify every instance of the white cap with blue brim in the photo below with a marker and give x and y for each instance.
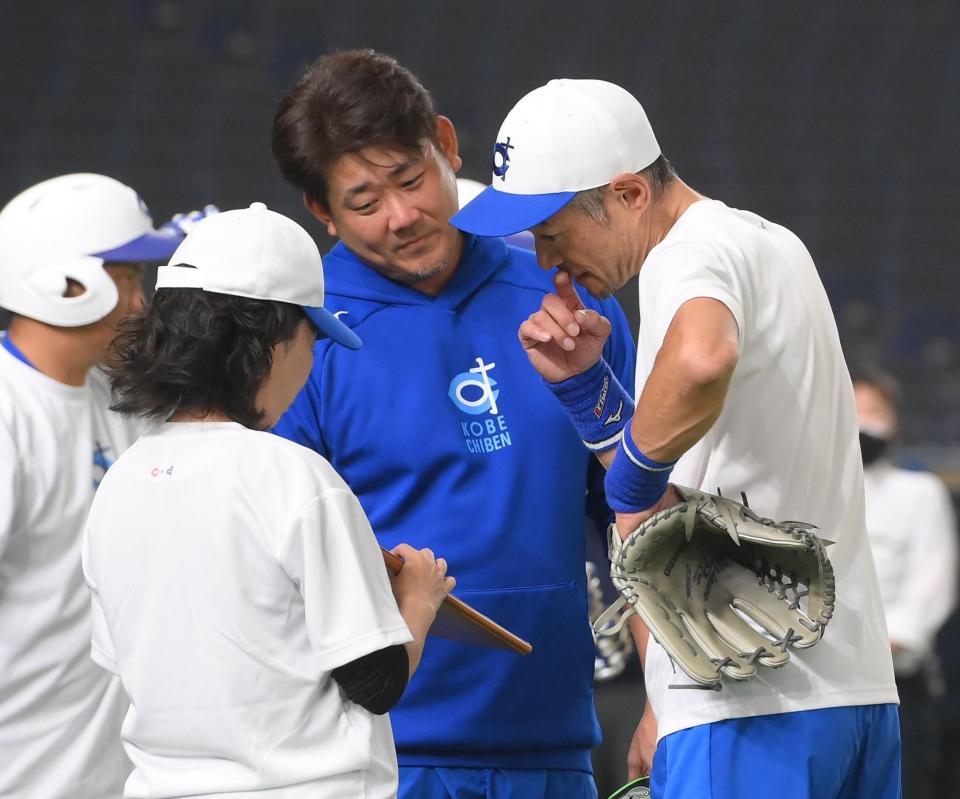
(562, 138)
(259, 254)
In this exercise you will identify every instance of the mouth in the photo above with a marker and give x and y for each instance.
(414, 244)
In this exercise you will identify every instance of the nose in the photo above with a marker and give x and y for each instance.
(546, 258)
(402, 213)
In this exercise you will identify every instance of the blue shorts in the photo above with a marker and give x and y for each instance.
(421, 782)
(835, 753)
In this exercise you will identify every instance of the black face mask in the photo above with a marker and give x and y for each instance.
(872, 447)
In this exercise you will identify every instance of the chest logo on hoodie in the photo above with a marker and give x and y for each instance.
(475, 392)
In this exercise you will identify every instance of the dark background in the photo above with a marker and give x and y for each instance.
(837, 119)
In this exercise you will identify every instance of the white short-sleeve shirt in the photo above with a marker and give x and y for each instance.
(787, 437)
(60, 714)
(913, 534)
(232, 570)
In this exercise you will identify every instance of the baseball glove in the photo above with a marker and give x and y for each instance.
(698, 573)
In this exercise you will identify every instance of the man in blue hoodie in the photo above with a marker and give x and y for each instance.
(445, 434)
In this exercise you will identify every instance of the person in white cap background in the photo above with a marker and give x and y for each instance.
(741, 385)
(238, 590)
(913, 534)
(71, 251)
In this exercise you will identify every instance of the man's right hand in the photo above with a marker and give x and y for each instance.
(643, 745)
(564, 338)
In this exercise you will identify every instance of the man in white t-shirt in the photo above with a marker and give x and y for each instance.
(71, 250)
(741, 386)
(913, 534)
(238, 590)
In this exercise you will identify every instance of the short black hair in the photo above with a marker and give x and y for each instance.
(348, 101)
(198, 351)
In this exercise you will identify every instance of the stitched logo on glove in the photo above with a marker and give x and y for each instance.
(707, 572)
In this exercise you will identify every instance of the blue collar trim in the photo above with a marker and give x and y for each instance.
(14, 350)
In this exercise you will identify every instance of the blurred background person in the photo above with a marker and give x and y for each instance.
(913, 534)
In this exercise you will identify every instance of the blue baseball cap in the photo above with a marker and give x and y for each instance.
(562, 138)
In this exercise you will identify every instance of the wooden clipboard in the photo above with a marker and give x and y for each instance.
(458, 621)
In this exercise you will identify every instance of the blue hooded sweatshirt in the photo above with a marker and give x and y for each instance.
(450, 440)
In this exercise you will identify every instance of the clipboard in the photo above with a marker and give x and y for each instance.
(457, 621)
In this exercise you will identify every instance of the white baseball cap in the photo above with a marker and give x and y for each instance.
(562, 138)
(65, 228)
(259, 254)
(88, 214)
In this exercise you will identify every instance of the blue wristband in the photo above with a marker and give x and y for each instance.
(596, 403)
(634, 482)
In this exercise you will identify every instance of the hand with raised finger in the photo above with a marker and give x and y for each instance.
(563, 338)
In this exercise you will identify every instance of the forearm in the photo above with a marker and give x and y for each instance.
(418, 616)
(641, 636)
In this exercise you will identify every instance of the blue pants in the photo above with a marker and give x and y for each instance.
(836, 753)
(419, 782)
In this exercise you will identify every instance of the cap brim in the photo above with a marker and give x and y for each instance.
(497, 213)
(157, 246)
(333, 328)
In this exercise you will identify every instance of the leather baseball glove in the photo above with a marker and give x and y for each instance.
(699, 572)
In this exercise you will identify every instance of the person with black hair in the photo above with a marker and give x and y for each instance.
(446, 435)
(238, 590)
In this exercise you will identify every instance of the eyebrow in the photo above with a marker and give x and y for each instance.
(395, 171)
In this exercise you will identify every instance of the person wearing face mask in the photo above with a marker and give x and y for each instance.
(912, 529)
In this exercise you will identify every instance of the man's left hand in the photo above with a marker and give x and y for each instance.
(628, 522)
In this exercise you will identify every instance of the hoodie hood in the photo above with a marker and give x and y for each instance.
(348, 278)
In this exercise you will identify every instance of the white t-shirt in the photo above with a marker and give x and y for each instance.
(787, 436)
(913, 534)
(60, 714)
(232, 570)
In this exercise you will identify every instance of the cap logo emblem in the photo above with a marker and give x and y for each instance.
(501, 158)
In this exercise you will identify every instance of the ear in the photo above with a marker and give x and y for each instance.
(319, 211)
(632, 191)
(447, 142)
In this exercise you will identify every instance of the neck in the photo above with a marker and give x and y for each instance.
(199, 416)
(677, 197)
(63, 354)
(653, 226)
